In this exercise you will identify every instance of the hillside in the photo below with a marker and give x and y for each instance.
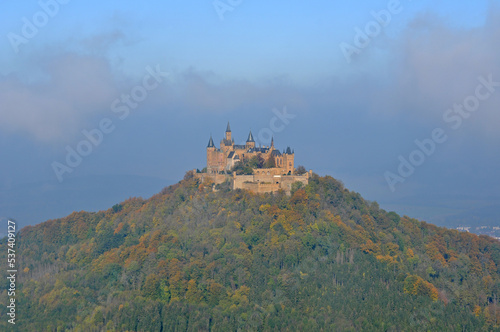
(190, 259)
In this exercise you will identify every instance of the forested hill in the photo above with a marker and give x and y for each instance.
(191, 259)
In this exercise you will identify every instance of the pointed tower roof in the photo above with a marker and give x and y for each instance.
(250, 137)
(228, 129)
(211, 143)
(272, 141)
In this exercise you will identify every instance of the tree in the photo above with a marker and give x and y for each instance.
(189, 175)
(300, 170)
(270, 162)
(256, 161)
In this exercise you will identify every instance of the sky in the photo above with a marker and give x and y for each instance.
(101, 101)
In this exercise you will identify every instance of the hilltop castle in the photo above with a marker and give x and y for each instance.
(226, 157)
(279, 175)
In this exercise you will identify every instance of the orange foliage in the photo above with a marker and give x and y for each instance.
(119, 228)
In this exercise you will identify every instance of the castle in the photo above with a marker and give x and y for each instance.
(278, 175)
(226, 157)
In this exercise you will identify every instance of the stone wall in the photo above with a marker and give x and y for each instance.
(215, 177)
(257, 183)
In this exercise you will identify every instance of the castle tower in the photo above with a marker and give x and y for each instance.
(289, 161)
(211, 156)
(228, 132)
(272, 143)
(250, 141)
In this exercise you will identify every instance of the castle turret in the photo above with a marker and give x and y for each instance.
(250, 141)
(228, 132)
(211, 143)
(211, 156)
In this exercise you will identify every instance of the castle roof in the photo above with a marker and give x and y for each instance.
(250, 138)
(233, 155)
(228, 129)
(211, 143)
(261, 150)
(227, 142)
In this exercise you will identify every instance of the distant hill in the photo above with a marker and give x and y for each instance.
(33, 203)
(194, 259)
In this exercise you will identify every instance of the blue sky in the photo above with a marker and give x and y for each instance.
(352, 119)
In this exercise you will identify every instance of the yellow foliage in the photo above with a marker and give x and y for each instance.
(487, 281)
(385, 259)
(393, 249)
(264, 207)
(370, 248)
(409, 254)
(415, 285)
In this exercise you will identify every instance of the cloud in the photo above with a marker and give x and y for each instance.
(435, 66)
(73, 86)
(102, 42)
(204, 91)
(428, 68)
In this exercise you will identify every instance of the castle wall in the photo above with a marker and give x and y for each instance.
(216, 178)
(287, 181)
(261, 183)
(269, 171)
(239, 180)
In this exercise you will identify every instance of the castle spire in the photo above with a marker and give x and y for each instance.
(272, 142)
(228, 134)
(211, 142)
(250, 138)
